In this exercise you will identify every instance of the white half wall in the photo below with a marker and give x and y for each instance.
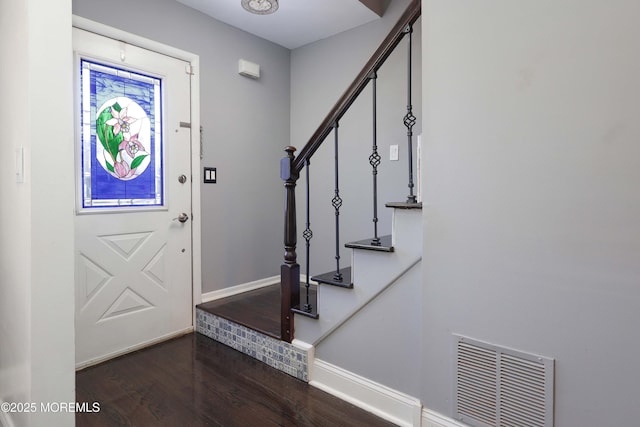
(52, 201)
(36, 215)
(15, 234)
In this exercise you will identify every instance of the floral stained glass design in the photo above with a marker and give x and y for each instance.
(121, 137)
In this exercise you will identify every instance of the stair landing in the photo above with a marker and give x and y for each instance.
(258, 309)
(250, 323)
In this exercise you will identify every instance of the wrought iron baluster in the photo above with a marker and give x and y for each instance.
(374, 161)
(337, 202)
(410, 119)
(307, 234)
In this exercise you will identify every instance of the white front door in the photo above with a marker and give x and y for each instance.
(133, 239)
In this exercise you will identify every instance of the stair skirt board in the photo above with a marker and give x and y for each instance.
(387, 403)
(288, 358)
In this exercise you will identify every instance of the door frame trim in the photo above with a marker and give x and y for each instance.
(193, 59)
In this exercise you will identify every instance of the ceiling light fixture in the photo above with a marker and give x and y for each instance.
(260, 7)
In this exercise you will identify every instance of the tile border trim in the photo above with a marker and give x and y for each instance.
(292, 359)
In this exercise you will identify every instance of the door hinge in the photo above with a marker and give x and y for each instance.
(189, 69)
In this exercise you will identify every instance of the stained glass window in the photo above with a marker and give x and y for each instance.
(121, 137)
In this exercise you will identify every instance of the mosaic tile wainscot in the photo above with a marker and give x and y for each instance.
(275, 353)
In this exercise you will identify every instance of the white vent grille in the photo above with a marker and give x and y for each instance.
(501, 387)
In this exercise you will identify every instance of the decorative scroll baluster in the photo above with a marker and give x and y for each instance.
(289, 270)
(410, 119)
(374, 161)
(337, 202)
(307, 234)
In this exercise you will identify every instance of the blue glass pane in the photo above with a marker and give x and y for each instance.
(121, 137)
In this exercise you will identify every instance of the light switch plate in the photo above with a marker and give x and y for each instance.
(393, 152)
(210, 175)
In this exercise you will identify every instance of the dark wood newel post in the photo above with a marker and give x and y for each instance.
(289, 270)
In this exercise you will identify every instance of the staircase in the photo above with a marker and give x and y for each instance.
(373, 272)
(378, 263)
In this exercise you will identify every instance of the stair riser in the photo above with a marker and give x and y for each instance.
(407, 230)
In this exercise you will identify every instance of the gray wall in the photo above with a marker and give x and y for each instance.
(320, 73)
(532, 215)
(246, 124)
(383, 342)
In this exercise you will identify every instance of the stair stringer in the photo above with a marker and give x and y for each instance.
(372, 272)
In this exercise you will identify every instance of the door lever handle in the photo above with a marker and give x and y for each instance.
(183, 217)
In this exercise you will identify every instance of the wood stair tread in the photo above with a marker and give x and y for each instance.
(404, 205)
(367, 244)
(328, 278)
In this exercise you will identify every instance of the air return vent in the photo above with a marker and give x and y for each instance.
(501, 387)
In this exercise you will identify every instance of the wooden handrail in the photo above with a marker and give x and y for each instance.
(376, 61)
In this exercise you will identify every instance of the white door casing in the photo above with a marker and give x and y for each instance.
(134, 279)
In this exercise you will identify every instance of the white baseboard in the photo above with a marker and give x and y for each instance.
(434, 419)
(238, 289)
(378, 399)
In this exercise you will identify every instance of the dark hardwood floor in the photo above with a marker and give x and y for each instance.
(195, 381)
(258, 309)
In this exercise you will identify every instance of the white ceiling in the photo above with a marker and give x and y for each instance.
(296, 23)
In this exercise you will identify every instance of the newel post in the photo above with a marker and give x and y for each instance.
(289, 270)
